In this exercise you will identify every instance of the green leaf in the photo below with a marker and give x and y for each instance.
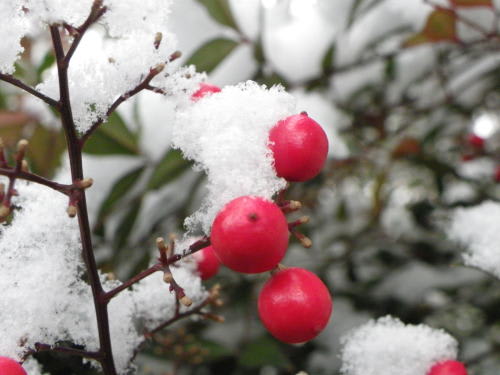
(328, 59)
(263, 351)
(48, 60)
(209, 55)
(112, 137)
(118, 191)
(171, 166)
(126, 224)
(220, 11)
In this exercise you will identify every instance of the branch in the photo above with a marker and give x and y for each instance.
(144, 85)
(18, 83)
(96, 12)
(39, 347)
(28, 176)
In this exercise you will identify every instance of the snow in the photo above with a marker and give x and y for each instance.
(226, 134)
(11, 33)
(43, 244)
(388, 346)
(478, 229)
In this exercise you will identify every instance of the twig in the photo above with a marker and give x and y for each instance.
(18, 83)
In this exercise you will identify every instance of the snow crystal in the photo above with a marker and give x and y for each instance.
(226, 134)
(56, 11)
(388, 346)
(478, 228)
(11, 32)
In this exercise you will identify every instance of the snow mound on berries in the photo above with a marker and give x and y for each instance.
(388, 346)
(226, 134)
(478, 228)
(44, 297)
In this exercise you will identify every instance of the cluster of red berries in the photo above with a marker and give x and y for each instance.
(250, 235)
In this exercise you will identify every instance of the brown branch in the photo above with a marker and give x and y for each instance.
(39, 347)
(143, 85)
(18, 83)
(75, 157)
(28, 176)
(95, 13)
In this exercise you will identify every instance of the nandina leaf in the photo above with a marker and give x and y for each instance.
(220, 10)
(441, 26)
(472, 3)
(45, 150)
(261, 352)
(112, 137)
(171, 165)
(118, 191)
(126, 225)
(209, 55)
(416, 40)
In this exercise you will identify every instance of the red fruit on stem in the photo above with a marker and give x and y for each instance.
(205, 89)
(10, 367)
(208, 263)
(449, 367)
(475, 141)
(250, 235)
(294, 305)
(299, 146)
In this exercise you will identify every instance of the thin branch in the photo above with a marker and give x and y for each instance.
(18, 83)
(96, 12)
(144, 85)
(28, 176)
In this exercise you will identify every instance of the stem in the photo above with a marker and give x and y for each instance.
(16, 82)
(75, 157)
(13, 173)
(70, 351)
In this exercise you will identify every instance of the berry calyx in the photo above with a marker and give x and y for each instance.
(449, 367)
(294, 305)
(299, 146)
(250, 235)
(205, 89)
(10, 367)
(207, 261)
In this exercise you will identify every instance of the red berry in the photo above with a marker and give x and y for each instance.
(295, 305)
(250, 235)
(10, 367)
(208, 263)
(475, 141)
(496, 175)
(299, 146)
(449, 367)
(205, 89)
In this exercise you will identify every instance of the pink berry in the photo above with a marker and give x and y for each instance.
(449, 367)
(208, 263)
(475, 141)
(294, 305)
(299, 146)
(250, 235)
(205, 89)
(10, 367)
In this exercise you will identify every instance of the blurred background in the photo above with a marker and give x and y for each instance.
(409, 95)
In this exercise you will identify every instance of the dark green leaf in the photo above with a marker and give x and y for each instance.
(112, 137)
(171, 166)
(328, 59)
(261, 352)
(126, 224)
(220, 11)
(46, 63)
(209, 55)
(119, 189)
